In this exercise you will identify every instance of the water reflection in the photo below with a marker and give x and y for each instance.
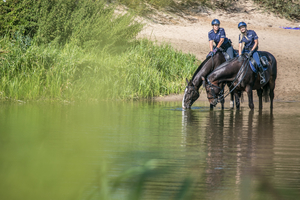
(190, 128)
(236, 144)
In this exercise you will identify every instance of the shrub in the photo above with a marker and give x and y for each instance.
(288, 9)
(19, 15)
(88, 23)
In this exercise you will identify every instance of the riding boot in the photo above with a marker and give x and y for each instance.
(262, 75)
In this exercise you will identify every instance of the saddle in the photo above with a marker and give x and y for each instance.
(263, 60)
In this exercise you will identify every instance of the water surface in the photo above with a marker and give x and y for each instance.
(76, 151)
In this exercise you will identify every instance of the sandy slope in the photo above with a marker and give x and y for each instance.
(188, 32)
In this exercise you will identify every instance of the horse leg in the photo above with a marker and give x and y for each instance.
(271, 99)
(231, 100)
(237, 101)
(250, 97)
(211, 106)
(259, 94)
(222, 103)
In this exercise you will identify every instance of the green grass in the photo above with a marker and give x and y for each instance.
(88, 53)
(71, 73)
(84, 51)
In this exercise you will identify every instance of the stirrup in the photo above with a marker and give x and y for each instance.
(262, 78)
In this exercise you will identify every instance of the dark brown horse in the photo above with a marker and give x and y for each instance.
(191, 93)
(239, 75)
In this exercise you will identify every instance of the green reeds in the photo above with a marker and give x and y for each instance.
(83, 50)
(145, 70)
(69, 72)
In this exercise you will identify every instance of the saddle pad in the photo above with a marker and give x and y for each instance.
(253, 68)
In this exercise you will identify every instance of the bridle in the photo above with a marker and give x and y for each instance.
(193, 88)
(214, 95)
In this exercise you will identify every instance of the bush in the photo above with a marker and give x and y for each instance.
(18, 15)
(88, 23)
(288, 9)
(72, 55)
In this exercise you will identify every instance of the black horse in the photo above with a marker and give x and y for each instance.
(239, 75)
(191, 93)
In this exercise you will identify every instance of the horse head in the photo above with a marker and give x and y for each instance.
(213, 91)
(191, 94)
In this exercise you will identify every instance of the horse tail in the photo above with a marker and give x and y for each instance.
(271, 85)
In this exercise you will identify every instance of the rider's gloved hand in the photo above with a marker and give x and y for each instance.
(240, 58)
(210, 54)
(250, 53)
(215, 50)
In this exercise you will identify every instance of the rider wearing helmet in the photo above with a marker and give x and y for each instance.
(250, 40)
(217, 35)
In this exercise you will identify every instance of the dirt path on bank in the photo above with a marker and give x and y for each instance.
(188, 33)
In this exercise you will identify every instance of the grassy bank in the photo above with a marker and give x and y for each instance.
(70, 72)
(66, 50)
(79, 50)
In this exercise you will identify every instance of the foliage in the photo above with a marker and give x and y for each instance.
(145, 70)
(142, 6)
(288, 9)
(69, 72)
(19, 14)
(88, 23)
(34, 72)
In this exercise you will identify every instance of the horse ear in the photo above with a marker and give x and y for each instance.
(187, 81)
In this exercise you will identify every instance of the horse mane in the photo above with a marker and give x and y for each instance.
(225, 63)
(220, 67)
(200, 67)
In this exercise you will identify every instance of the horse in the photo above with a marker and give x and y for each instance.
(239, 74)
(191, 93)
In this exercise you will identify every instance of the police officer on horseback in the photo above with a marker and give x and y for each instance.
(217, 35)
(249, 39)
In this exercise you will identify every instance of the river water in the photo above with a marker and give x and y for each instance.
(148, 150)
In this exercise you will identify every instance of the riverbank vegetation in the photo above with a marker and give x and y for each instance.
(83, 50)
(78, 50)
(70, 72)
